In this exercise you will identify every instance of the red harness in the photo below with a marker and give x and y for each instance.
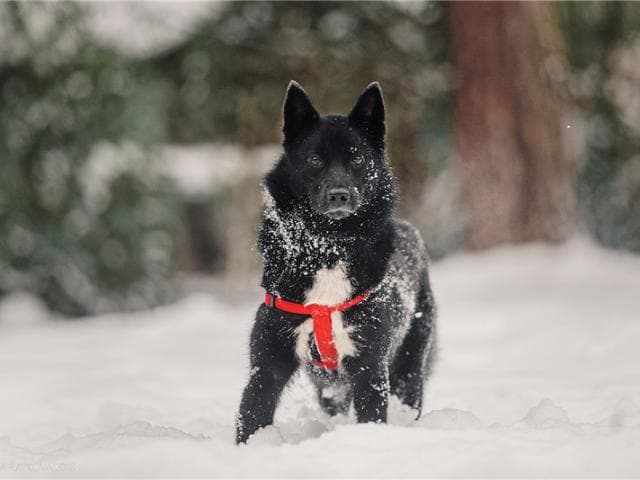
(321, 316)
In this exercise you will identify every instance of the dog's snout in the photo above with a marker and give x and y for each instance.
(338, 196)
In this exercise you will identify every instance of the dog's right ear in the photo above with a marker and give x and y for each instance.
(298, 112)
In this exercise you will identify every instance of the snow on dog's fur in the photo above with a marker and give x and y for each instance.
(328, 236)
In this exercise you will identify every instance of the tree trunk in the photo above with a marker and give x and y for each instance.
(517, 180)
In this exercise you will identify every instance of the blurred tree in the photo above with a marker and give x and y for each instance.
(517, 180)
(86, 225)
(603, 40)
(232, 74)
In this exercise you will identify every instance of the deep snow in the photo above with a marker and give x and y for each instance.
(538, 375)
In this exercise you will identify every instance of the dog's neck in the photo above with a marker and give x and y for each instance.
(296, 244)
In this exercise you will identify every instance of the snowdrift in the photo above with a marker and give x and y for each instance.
(537, 376)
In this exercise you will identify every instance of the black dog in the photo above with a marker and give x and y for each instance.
(348, 294)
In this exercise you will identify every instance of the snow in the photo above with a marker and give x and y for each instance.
(537, 376)
(142, 29)
(196, 170)
(200, 169)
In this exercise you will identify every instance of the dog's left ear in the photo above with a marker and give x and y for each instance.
(368, 112)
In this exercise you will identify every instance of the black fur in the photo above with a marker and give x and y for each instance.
(306, 228)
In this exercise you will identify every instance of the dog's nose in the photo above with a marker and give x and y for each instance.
(338, 196)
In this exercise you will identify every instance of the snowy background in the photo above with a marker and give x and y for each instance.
(537, 375)
(133, 136)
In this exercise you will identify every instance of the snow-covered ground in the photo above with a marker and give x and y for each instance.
(538, 375)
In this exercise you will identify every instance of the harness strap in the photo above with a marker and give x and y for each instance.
(322, 328)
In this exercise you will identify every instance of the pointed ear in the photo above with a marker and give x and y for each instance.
(368, 112)
(298, 112)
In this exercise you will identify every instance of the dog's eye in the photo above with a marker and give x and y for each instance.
(314, 161)
(358, 160)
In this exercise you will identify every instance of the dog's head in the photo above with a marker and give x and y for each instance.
(334, 162)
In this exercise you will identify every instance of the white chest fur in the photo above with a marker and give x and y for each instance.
(330, 287)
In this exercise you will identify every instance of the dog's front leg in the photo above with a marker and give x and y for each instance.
(370, 390)
(272, 365)
(260, 398)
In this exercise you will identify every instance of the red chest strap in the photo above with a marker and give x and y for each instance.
(321, 316)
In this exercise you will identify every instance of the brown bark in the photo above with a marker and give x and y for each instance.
(517, 179)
